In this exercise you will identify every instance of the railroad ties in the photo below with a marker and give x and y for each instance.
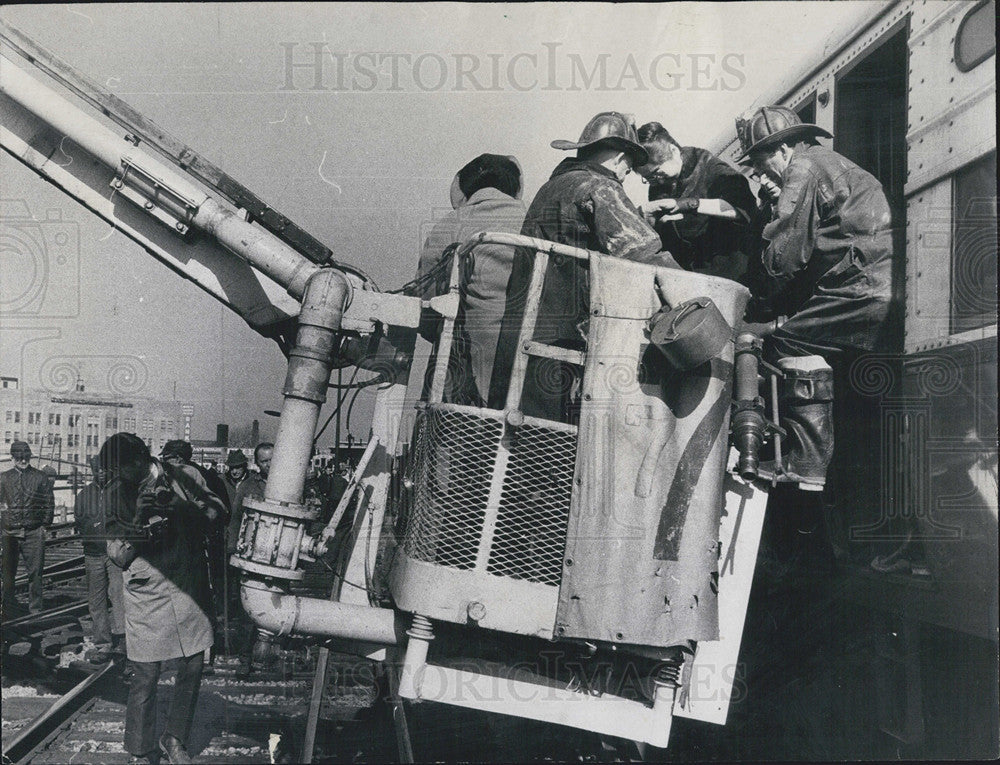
(30, 639)
(60, 708)
(236, 720)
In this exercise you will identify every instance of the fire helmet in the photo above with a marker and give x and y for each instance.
(771, 126)
(611, 129)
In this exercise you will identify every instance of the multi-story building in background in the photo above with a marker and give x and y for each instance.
(65, 429)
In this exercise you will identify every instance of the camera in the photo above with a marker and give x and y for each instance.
(39, 263)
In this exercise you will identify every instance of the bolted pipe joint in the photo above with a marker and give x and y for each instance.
(323, 303)
(273, 539)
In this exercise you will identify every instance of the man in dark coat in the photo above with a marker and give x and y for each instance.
(827, 257)
(583, 204)
(104, 578)
(828, 247)
(180, 453)
(28, 506)
(701, 205)
(237, 471)
(825, 262)
(251, 487)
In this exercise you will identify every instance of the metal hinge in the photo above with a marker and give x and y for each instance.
(141, 187)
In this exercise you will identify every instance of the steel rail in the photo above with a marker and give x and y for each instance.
(54, 570)
(39, 731)
(52, 613)
(59, 541)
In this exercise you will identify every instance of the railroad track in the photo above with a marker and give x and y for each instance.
(41, 730)
(62, 579)
(72, 609)
(62, 571)
(238, 720)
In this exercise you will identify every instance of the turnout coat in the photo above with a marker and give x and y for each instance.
(583, 204)
(167, 595)
(828, 253)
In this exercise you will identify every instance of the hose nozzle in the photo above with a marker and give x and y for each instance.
(748, 423)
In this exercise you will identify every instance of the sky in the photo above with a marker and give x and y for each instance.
(359, 149)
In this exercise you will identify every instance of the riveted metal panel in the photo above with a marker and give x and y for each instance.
(952, 114)
(819, 79)
(928, 266)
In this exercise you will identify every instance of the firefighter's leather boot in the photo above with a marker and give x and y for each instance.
(806, 406)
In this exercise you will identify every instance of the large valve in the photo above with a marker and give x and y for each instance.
(273, 539)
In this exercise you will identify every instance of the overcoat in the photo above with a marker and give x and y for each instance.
(698, 242)
(167, 596)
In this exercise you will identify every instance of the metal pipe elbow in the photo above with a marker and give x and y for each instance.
(326, 295)
(283, 614)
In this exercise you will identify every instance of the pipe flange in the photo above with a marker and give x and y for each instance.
(304, 392)
(754, 404)
(276, 572)
(290, 510)
(306, 353)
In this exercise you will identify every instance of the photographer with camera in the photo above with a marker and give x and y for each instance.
(160, 514)
(176, 454)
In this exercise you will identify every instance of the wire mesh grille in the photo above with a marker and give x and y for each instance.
(530, 531)
(455, 457)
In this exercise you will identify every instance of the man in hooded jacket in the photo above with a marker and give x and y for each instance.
(485, 196)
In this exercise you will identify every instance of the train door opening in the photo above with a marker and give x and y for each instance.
(870, 129)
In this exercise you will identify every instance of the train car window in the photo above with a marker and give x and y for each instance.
(807, 111)
(976, 39)
(974, 248)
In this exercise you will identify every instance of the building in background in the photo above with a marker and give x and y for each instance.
(66, 429)
(349, 454)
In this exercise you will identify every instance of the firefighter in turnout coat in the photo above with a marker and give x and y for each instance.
(583, 204)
